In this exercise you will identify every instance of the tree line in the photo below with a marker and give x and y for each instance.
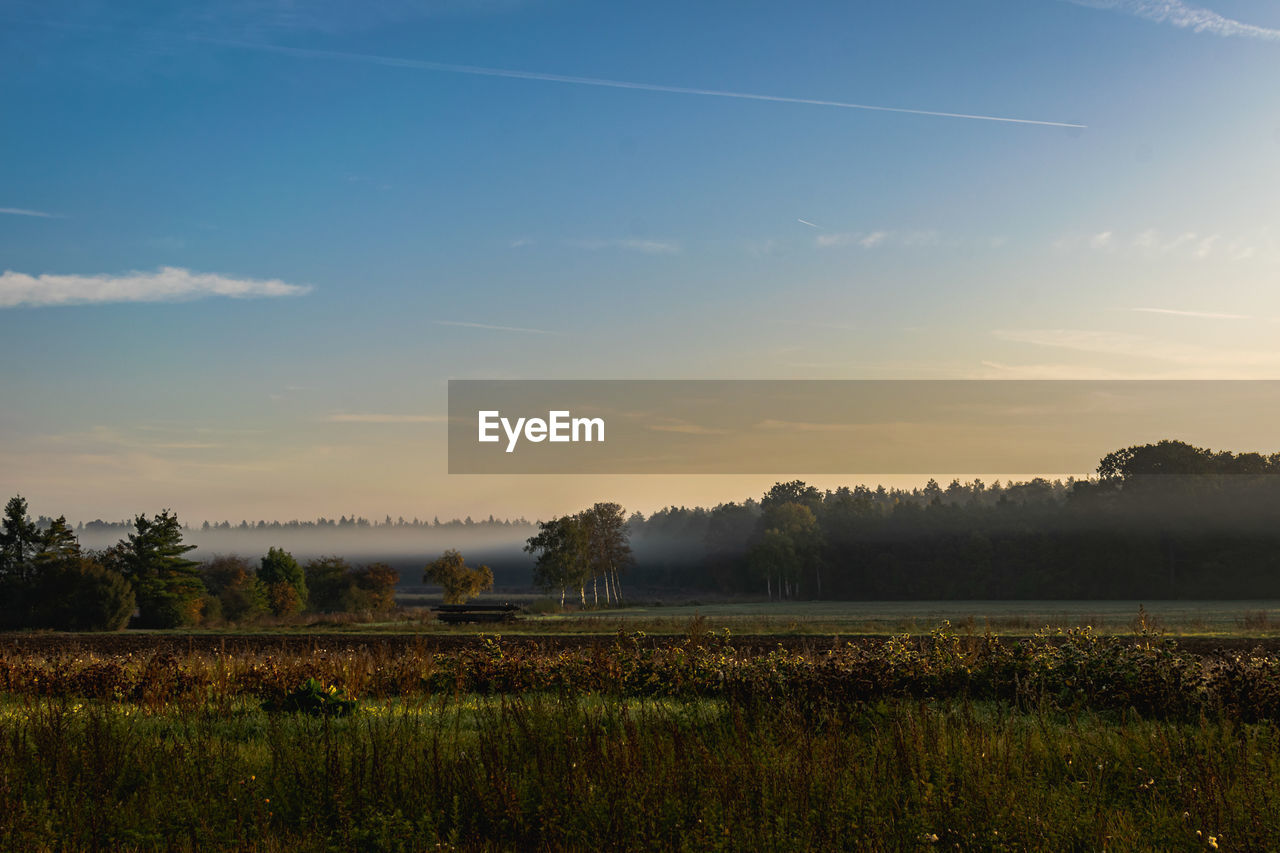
(322, 523)
(1166, 519)
(48, 581)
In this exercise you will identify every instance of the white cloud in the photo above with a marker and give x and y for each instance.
(382, 418)
(168, 284)
(1000, 370)
(1207, 315)
(1196, 245)
(1189, 355)
(1185, 16)
(865, 239)
(880, 237)
(19, 211)
(521, 243)
(1205, 247)
(649, 247)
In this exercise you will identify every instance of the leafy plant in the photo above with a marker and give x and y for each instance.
(314, 698)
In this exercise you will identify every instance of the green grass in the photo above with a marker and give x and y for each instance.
(591, 772)
(1062, 742)
(1205, 619)
(826, 618)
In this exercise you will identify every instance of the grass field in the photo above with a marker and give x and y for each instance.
(1260, 618)
(538, 772)
(694, 740)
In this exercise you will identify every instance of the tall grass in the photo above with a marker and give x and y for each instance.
(1072, 670)
(539, 772)
(1064, 742)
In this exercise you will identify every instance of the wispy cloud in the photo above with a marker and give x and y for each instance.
(168, 284)
(1185, 16)
(805, 426)
(1154, 243)
(649, 247)
(1181, 353)
(688, 429)
(493, 328)
(383, 418)
(19, 211)
(874, 239)
(1207, 315)
(807, 222)
(1000, 370)
(425, 65)
(866, 240)
(521, 242)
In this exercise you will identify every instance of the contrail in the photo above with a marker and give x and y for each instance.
(425, 65)
(22, 211)
(492, 328)
(807, 222)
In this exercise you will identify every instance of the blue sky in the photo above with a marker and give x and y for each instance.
(341, 221)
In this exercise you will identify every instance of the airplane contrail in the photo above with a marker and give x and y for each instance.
(807, 222)
(492, 328)
(478, 70)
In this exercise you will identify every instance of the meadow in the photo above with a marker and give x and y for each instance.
(1061, 740)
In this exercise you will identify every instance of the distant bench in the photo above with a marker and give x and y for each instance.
(454, 614)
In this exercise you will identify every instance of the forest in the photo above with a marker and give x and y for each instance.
(1161, 520)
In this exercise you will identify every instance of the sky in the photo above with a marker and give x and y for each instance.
(244, 245)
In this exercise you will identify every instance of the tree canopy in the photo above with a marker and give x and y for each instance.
(459, 581)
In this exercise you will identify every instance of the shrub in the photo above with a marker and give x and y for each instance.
(278, 567)
(240, 595)
(78, 594)
(312, 697)
(327, 583)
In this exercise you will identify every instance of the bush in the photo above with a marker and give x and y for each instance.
(336, 587)
(240, 595)
(162, 608)
(542, 607)
(377, 584)
(78, 594)
(327, 582)
(312, 697)
(282, 598)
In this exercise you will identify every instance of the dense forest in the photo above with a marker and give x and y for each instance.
(1164, 520)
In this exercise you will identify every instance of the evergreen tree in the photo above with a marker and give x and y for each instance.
(19, 542)
(168, 587)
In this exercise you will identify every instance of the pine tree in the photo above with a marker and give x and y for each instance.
(168, 586)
